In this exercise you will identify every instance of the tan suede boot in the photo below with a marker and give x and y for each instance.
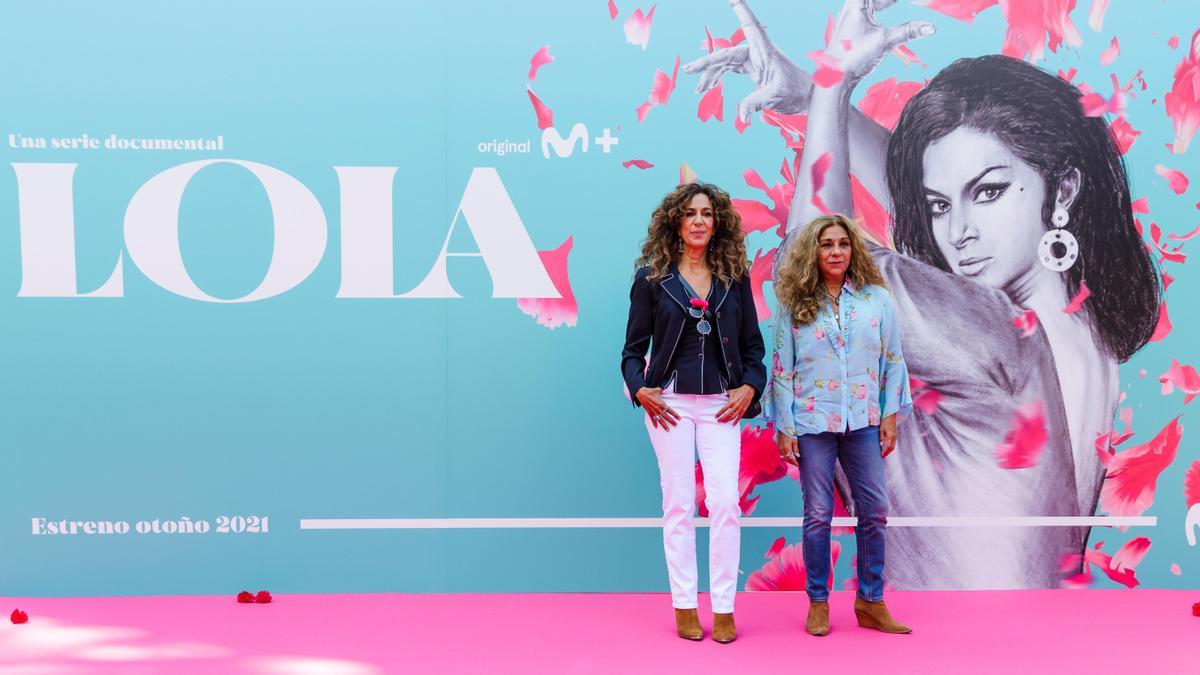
(724, 630)
(818, 618)
(875, 615)
(687, 624)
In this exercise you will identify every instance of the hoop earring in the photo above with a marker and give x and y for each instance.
(1058, 249)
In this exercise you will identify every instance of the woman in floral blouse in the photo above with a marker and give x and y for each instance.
(838, 381)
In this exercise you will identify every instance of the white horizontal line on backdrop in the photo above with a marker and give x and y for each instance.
(749, 521)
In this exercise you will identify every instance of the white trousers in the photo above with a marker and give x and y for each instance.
(720, 449)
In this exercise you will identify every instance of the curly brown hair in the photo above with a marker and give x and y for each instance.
(798, 283)
(727, 249)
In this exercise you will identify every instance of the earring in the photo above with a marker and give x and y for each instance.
(1058, 250)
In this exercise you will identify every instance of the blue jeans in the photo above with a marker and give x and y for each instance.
(859, 454)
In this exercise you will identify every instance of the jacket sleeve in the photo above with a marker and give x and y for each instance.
(638, 331)
(781, 394)
(894, 394)
(750, 341)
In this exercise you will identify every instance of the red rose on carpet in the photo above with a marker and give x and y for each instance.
(19, 617)
(245, 597)
(262, 598)
(1195, 610)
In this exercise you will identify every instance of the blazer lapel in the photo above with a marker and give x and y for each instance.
(670, 283)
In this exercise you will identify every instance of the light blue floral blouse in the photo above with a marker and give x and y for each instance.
(830, 378)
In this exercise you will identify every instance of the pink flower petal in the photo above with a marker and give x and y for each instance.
(1109, 55)
(1130, 555)
(1125, 577)
(712, 104)
(1185, 237)
(637, 27)
(756, 217)
(1133, 474)
(1026, 322)
(819, 168)
(927, 401)
(828, 73)
(686, 174)
(539, 59)
(1076, 303)
(612, 9)
(643, 109)
(1141, 205)
(660, 91)
(1176, 180)
(870, 214)
(1025, 439)
(908, 56)
(545, 117)
(1175, 569)
(1170, 254)
(829, 26)
(639, 163)
(1034, 25)
(1173, 43)
(1191, 484)
(777, 547)
(1182, 103)
(554, 312)
(1096, 16)
(785, 571)
(737, 121)
(885, 100)
(1185, 378)
(760, 273)
(1163, 329)
(963, 10)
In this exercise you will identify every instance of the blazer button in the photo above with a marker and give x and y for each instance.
(724, 341)
(729, 364)
(718, 315)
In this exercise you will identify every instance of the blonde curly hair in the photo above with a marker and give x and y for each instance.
(798, 282)
(726, 251)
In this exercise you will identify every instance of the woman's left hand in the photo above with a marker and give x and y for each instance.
(887, 435)
(739, 400)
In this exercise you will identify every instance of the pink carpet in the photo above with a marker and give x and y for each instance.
(1086, 631)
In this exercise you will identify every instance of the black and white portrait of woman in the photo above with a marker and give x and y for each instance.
(1008, 202)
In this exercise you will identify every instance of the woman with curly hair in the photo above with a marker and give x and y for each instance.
(692, 307)
(838, 380)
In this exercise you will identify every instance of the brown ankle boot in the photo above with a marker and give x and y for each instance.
(687, 624)
(875, 615)
(724, 630)
(818, 618)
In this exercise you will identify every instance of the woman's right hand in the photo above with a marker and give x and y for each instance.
(660, 413)
(788, 449)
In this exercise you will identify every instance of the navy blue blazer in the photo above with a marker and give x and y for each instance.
(658, 316)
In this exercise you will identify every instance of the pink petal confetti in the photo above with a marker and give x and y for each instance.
(1169, 254)
(776, 548)
(1182, 103)
(756, 217)
(885, 100)
(539, 59)
(1096, 16)
(1176, 180)
(1026, 322)
(819, 168)
(1124, 576)
(1185, 237)
(712, 104)
(828, 73)
(612, 9)
(1076, 303)
(760, 463)
(660, 91)
(737, 121)
(785, 571)
(1025, 439)
(924, 399)
(963, 10)
(1141, 205)
(545, 117)
(639, 163)
(908, 56)
(1191, 485)
(1163, 329)
(712, 44)
(1132, 474)
(686, 174)
(1034, 25)
(829, 26)
(1184, 377)
(1067, 75)
(637, 27)
(1173, 43)
(643, 109)
(760, 273)
(874, 219)
(554, 312)
(1175, 569)
(1130, 555)
(791, 127)
(1167, 280)
(1109, 55)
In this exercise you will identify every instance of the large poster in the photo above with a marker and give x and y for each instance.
(331, 298)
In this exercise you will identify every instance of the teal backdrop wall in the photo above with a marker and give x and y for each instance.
(307, 407)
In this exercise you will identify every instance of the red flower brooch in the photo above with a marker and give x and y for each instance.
(700, 304)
